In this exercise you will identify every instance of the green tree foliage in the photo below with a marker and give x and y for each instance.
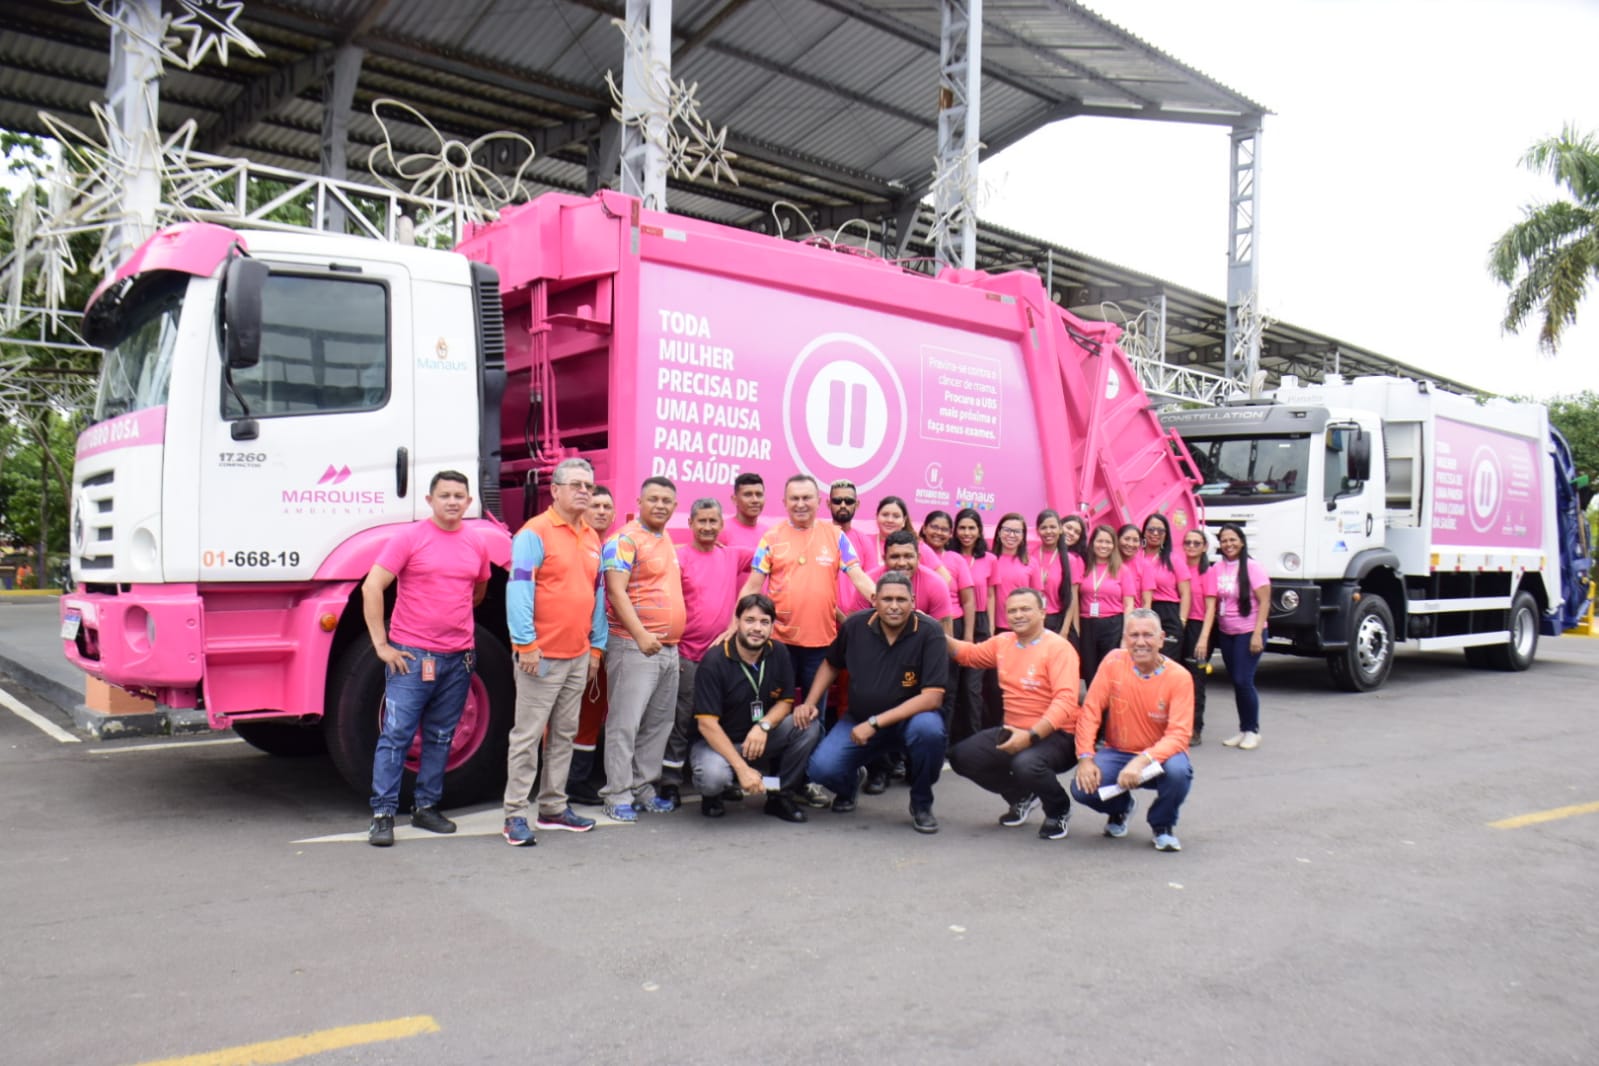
(1549, 257)
(1577, 419)
(22, 481)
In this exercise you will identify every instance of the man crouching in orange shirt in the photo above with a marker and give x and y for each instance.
(1038, 680)
(1147, 702)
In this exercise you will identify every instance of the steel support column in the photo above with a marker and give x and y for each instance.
(1242, 352)
(133, 94)
(338, 94)
(960, 77)
(646, 100)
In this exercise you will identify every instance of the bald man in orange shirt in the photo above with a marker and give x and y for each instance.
(1147, 702)
(1038, 680)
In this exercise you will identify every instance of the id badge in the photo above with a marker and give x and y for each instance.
(757, 712)
(1093, 609)
(430, 668)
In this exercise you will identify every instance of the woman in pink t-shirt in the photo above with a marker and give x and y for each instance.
(978, 688)
(1012, 569)
(1054, 569)
(1130, 545)
(1074, 539)
(1201, 602)
(893, 516)
(1103, 597)
(938, 529)
(1243, 600)
(1165, 580)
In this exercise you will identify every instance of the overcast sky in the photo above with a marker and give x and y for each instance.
(1390, 164)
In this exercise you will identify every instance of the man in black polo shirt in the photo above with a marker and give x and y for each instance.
(743, 694)
(898, 668)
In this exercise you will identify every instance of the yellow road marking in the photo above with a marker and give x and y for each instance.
(1554, 815)
(298, 1047)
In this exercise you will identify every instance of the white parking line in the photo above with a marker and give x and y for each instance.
(34, 718)
(167, 745)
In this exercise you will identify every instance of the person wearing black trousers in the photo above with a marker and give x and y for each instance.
(1201, 601)
(1106, 593)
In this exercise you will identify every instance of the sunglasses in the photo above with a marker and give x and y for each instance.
(840, 501)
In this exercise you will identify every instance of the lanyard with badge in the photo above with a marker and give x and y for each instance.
(757, 707)
(1100, 573)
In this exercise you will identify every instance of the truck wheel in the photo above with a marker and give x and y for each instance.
(1521, 640)
(1365, 663)
(282, 738)
(475, 770)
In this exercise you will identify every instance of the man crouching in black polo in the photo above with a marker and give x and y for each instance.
(897, 667)
(743, 694)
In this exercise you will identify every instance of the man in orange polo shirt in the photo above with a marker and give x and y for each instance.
(556, 619)
(1147, 702)
(799, 561)
(1038, 678)
(644, 593)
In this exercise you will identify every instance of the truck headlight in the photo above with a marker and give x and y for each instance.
(1289, 600)
(1290, 562)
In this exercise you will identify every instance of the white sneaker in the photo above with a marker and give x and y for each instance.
(1234, 741)
(1249, 742)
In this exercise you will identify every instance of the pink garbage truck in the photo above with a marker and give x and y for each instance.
(274, 404)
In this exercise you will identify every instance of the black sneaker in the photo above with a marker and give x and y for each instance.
(672, 794)
(922, 820)
(430, 819)
(1019, 812)
(712, 806)
(1053, 828)
(780, 806)
(732, 794)
(876, 783)
(380, 834)
(843, 804)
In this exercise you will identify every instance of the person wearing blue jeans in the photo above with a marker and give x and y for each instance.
(411, 703)
(1238, 627)
(1147, 704)
(898, 668)
(426, 647)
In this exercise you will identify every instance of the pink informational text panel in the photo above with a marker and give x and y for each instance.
(737, 376)
(1486, 490)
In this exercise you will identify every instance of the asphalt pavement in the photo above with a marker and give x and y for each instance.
(1342, 897)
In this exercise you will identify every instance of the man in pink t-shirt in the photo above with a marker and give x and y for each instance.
(743, 528)
(929, 591)
(712, 574)
(442, 567)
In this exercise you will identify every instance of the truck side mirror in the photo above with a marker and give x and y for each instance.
(1360, 456)
(242, 286)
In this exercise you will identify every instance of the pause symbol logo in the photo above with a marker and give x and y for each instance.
(846, 413)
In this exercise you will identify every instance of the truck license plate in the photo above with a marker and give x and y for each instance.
(69, 626)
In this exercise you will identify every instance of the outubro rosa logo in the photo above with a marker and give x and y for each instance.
(329, 500)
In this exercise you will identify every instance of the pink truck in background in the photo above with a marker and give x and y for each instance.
(273, 405)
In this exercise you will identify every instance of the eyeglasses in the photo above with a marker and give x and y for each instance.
(581, 486)
(839, 501)
(1011, 532)
(1193, 544)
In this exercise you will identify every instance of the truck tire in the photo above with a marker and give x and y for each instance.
(476, 768)
(1521, 639)
(288, 739)
(1364, 664)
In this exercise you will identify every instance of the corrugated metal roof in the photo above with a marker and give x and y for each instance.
(831, 105)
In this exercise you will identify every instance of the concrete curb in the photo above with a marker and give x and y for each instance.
(63, 695)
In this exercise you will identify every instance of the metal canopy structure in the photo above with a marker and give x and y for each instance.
(829, 105)
(831, 109)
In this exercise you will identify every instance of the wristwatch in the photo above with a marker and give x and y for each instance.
(1033, 733)
(872, 721)
(766, 727)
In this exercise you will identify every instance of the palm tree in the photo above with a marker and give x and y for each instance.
(1548, 258)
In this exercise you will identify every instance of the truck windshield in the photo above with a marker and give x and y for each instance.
(1251, 466)
(137, 368)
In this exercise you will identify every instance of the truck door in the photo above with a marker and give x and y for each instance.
(1352, 494)
(316, 441)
